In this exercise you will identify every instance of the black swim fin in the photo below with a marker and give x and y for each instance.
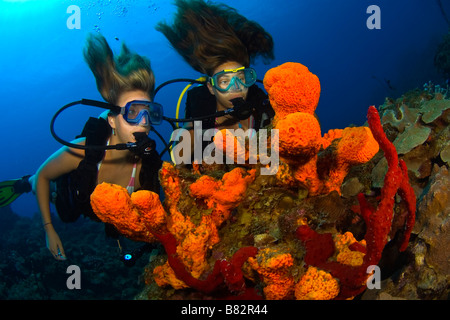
(11, 189)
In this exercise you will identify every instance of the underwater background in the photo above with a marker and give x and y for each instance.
(42, 69)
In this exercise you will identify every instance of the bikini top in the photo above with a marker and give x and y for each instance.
(132, 182)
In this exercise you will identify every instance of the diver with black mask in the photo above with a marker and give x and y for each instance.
(114, 148)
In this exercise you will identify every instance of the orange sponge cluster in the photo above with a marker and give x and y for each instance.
(133, 216)
(318, 164)
(356, 146)
(141, 216)
(170, 182)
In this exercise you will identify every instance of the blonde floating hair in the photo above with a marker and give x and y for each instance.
(115, 75)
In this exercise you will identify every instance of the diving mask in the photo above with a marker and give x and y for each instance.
(234, 78)
(137, 111)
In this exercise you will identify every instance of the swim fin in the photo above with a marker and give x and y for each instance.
(11, 189)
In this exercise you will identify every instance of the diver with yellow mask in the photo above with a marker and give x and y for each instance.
(218, 42)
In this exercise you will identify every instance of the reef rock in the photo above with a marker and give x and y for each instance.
(433, 221)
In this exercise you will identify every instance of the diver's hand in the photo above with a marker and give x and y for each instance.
(54, 244)
(144, 145)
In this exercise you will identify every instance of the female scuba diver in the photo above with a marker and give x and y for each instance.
(126, 81)
(217, 41)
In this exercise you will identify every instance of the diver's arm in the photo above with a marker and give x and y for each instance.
(61, 162)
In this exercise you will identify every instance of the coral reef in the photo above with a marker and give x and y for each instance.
(230, 232)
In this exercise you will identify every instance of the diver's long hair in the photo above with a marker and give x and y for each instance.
(115, 75)
(207, 35)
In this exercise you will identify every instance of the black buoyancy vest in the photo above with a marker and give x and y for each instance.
(74, 189)
(200, 102)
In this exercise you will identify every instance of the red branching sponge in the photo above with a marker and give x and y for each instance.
(396, 180)
(378, 221)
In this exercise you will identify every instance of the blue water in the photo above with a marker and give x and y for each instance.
(42, 68)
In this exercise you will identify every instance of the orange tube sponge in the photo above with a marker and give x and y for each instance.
(192, 251)
(274, 267)
(112, 204)
(316, 285)
(292, 88)
(178, 224)
(322, 173)
(357, 145)
(306, 175)
(299, 135)
(192, 241)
